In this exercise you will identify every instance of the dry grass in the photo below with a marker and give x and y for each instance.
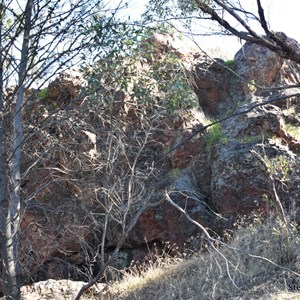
(293, 131)
(232, 275)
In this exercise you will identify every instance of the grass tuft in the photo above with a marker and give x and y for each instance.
(244, 270)
(214, 135)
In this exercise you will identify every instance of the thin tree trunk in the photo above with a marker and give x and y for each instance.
(10, 201)
(9, 275)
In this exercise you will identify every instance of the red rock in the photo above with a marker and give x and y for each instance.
(66, 87)
(161, 43)
(210, 83)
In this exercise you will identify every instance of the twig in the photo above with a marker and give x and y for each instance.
(229, 117)
(122, 239)
(212, 240)
(272, 183)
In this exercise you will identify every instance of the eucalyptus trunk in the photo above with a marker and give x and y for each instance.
(10, 176)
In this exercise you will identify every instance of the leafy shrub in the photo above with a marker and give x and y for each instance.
(42, 93)
(150, 79)
(230, 64)
(214, 135)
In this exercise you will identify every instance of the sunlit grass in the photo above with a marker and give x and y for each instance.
(293, 131)
(232, 275)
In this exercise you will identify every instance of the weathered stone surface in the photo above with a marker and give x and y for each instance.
(66, 87)
(258, 64)
(255, 70)
(166, 224)
(175, 136)
(262, 67)
(60, 290)
(161, 43)
(237, 182)
(61, 222)
(52, 240)
(210, 83)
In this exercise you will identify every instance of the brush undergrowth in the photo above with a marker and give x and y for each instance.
(261, 262)
(214, 135)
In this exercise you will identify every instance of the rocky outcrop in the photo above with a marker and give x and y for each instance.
(215, 177)
(220, 86)
(237, 182)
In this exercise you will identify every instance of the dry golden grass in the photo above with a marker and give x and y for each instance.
(293, 131)
(230, 274)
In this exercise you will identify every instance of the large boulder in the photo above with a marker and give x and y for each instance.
(220, 86)
(255, 64)
(210, 81)
(236, 180)
(166, 224)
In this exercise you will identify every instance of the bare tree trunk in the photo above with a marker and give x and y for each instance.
(10, 201)
(51, 40)
(9, 276)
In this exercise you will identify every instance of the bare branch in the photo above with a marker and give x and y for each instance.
(203, 128)
(212, 242)
(262, 18)
(122, 239)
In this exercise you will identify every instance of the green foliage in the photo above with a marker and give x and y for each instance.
(167, 8)
(188, 7)
(173, 90)
(214, 135)
(134, 66)
(43, 93)
(230, 64)
(110, 37)
(174, 173)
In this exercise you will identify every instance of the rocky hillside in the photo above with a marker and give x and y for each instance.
(93, 164)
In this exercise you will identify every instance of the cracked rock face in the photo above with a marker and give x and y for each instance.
(224, 179)
(166, 224)
(238, 182)
(235, 179)
(262, 67)
(210, 83)
(258, 64)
